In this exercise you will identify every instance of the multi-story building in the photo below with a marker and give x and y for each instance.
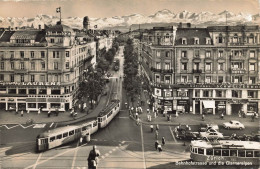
(213, 69)
(42, 68)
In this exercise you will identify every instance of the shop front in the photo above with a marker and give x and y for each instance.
(252, 107)
(208, 107)
(221, 107)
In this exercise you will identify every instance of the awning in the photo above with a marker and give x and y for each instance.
(209, 104)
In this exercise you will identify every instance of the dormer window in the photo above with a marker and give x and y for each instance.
(208, 42)
(52, 40)
(184, 41)
(196, 41)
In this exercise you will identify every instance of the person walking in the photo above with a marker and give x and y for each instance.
(157, 127)
(136, 115)
(21, 113)
(16, 110)
(156, 134)
(222, 116)
(49, 113)
(151, 126)
(156, 144)
(93, 157)
(159, 148)
(203, 117)
(39, 111)
(163, 141)
(138, 121)
(253, 118)
(155, 115)
(80, 140)
(177, 115)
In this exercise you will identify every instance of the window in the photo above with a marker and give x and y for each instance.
(55, 91)
(32, 54)
(22, 65)
(65, 135)
(220, 93)
(241, 153)
(52, 139)
(56, 54)
(1, 77)
(197, 53)
(55, 65)
(208, 54)
(196, 66)
(67, 77)
(71, 132)
(67, 54)
(237, 79)
(251, 94)
(208, 79)
(157, 78)
(12, 65)
(237, 65)
(251, 80)
(11, 54)
(251, 39)
(196, 41)
(32, 78)
(220, 53)
(208, 67)
(221, 66)
(184, 41)
(42, 78)
(220, 79)
(225, 152)
(2, 65)
(42, 54)
(200, 151)
(12, 78)
(235, 38)
(184, 79)
(167, 79)
(197, 93)
(158, 65)
(21, 91)
(11, 91)
(22, 54)
(67, 65)
(252, 66)
(252, 54)
(256, 153)
(32, 66)
(184, 54)
(32, 91)
(184, 66)
(236, 93)
(167, 54)
(43, 65)
(208, 41)
(59, 136)
(196, 79)
(217, 152)
(167, 66)
(220, 38)
(52, 40)
(233, 153)
(56, 78)
(158, 54)
(209, 152)
(42, 91)
(249, 153)
(207, 93)
(22, 78)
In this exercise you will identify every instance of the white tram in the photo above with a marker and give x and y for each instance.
(227, 152)
(62, 135)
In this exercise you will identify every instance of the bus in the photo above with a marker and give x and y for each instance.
(225, 152)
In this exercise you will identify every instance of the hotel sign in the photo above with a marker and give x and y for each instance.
(30, 83)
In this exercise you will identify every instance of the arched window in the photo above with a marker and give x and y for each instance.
(235, 38)
(251, 38)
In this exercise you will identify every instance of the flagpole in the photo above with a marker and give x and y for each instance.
(60, 15)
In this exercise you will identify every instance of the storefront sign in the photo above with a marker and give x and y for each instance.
(182, 102)
(180, 98)
(157, 92)
(30, 83)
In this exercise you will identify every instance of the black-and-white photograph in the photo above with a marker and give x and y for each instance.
(129, 84)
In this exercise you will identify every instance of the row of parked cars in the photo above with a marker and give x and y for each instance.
(211, 131)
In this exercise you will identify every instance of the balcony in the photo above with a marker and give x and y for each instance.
(237, 44)
(238, 71)
(161, 70)
(20, 71)
(237, 57)
(196, 71)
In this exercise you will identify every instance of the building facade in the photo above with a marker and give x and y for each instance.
(42, 68)
(203, 70)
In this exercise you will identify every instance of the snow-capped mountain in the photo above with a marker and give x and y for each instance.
(163, 16)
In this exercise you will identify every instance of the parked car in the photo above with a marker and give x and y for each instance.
(233, 124)
(211, 135)
(206, 127)
(187, 135)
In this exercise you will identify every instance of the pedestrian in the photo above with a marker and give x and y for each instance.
(21, 113)
(84, 106)
(148, 111)
(163, 141)
(126, 105)
(28, 111)
(239, 114)
(253, 118)
(75, 115)
(222, 116)
(148, 117)
(170, 118)
(79, 106)
(138, 121)
(157, 127)
(72, 112)
(156, 144)
(151, 126)
(93, 157)
(155, 115)
(39, 111)
(136, 115)
(177, 115)
(156, 134)
(203, 117)
(49, 113)
(159, 148)
(80, 140)
(57, 111)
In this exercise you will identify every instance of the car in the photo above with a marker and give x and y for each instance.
(233, 124)
(187, 135)
(211, 135)
(206, 127)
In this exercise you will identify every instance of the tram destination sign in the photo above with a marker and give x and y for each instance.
(209, 85)
(30, 83)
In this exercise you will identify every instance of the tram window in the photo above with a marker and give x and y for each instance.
(77, 131)
(99, 119)
(217, 152)
(89, 126)
(233, 153)
(225, 152)
(94, 124)
(200, 151)
(256, 153)
(59, 136)
(84, 128)
(209, 152)
(52, 139)
(196, 150)
(65, 135)
(71, 132)
(249, 153)
(44, 141)
(241, 153)
(104, 118)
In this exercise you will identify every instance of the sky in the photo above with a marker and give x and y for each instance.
(110, 8)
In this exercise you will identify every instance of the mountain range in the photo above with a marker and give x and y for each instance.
(164, 16)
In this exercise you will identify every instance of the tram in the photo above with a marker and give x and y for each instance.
(63, 135)
(225, 152)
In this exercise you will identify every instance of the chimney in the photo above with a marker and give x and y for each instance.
(40, 27)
